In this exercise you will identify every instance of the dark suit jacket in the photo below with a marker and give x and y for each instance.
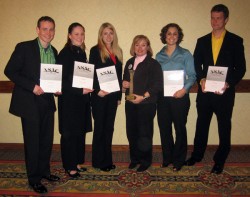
(231, 55)
(23, 69)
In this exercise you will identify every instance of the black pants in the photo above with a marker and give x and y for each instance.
(173, 111)
(104, 112)
(38, 141)
(222, 106)
(72, 149)
(139, 126)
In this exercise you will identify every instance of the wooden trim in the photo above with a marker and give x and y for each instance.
(6, 86)
(242, 87)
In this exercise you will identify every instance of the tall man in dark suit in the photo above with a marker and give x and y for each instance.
(29, 101)
(219, 48)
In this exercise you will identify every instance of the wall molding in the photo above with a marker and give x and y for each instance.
(242, 87)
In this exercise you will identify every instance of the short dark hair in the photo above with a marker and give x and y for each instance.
(221, 8)
(165, 29)
(45, 18)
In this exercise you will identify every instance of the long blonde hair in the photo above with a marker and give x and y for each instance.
(117, 51)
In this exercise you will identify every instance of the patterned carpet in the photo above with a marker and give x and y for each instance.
(156, 181)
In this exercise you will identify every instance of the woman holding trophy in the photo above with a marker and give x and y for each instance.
(142, 80)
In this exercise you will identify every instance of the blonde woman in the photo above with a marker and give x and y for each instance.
(140, 112)
(104, 104)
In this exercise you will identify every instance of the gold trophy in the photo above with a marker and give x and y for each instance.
(130, 96)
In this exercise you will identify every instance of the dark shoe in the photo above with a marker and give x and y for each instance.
(190, 162)
(217, 169)
(142, 168)
(112, 167)
(39, 188)
(164, 165)
(105, 169)
(177, 168)
(132, 165)
(82, 169)
(51, 178)
(75, 175)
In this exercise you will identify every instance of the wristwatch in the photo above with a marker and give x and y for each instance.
(144, 97)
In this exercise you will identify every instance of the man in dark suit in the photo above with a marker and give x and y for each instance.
(219, 48)
(29, 102)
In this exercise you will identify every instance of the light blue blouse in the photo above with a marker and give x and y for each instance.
(181, 59)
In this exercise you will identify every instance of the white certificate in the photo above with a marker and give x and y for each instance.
(107, 78)
(83, 75)
(173, 81)
(216, 77)
(51, 78)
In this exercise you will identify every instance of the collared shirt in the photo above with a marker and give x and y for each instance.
(216, 45)
(138, 60)
(47, 55)
(181, 59)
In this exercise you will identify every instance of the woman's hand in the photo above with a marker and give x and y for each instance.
(102, 93)
(86, 90)
(180, 93)
(125, 84)
(138, 99)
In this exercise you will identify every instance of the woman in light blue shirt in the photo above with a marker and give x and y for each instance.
(174, 107)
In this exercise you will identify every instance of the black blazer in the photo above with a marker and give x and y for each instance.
(148, 77)
(73, 106)
(231, 55)
(23, 69)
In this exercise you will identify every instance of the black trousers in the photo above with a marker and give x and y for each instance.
(38, 141)
(173, 111)
(139, 126)
(104, 112)
(72, 149)
(222, 106)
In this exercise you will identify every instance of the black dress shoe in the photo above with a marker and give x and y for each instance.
(105, 169)
(164, 165)
(75, 175)
(142, 168)
(177, 168)
(112, 167)
(217, 169)
(132, 165)
(82, 169)
(51, 178)
(190, 162)
(39, 188)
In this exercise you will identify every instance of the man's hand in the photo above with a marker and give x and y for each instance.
(38, 90)
(202, 83)
(223, 89)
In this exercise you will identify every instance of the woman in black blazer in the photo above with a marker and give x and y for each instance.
(74, 104)
(140, 112)
(104, 105)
